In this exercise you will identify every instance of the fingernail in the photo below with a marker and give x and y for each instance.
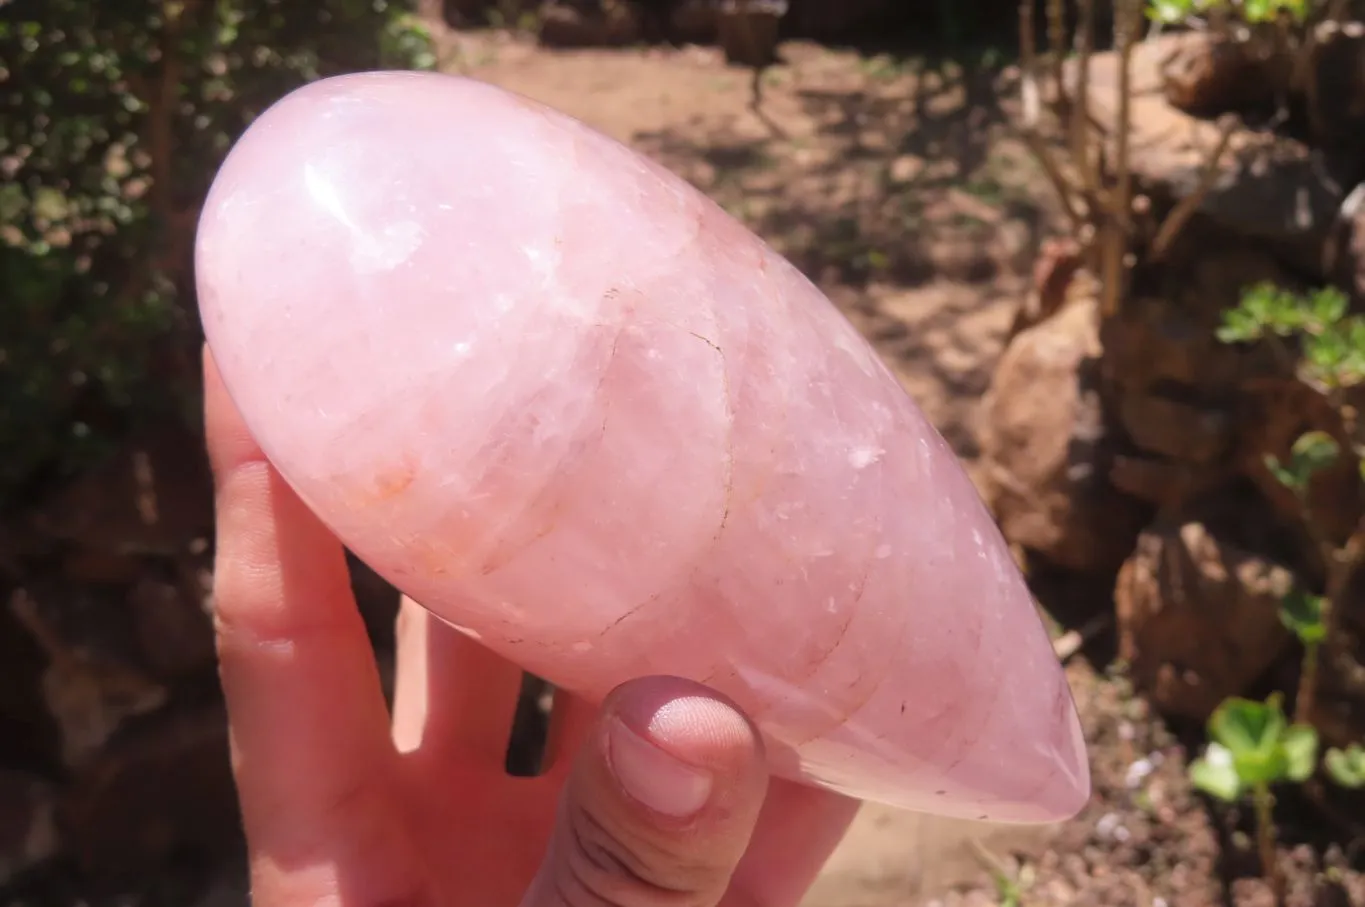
(654, 777)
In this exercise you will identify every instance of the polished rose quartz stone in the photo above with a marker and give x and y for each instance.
(556, 395)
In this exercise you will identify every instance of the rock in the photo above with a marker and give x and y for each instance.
(28, 829)
(91, 686)
(1166, 483)
(1276, 412)
(1175, 428)
(589, 23)
(1198, 618)
(167, 788)
(174, 631)
(748, 30)
(1059, 261)
(1176, 390)
(1271, 188)
(693, 21)
(1337, 97)
(1046, 449)
(1209, 72)
(155, 496)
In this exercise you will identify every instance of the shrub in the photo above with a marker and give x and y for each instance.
(116, 116)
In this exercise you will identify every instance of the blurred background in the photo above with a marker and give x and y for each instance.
(1113, 249)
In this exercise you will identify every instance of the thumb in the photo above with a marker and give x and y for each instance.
(659, 805)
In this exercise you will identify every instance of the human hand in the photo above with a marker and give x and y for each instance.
(660, 797)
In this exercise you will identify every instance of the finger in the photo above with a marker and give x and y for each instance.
(660, 805)
(306, 713)
(475, 689)
(572, 720)
(797, 831)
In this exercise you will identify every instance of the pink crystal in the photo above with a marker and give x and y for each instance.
(554, 393)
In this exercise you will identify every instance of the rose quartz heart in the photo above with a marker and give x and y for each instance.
(552, 392)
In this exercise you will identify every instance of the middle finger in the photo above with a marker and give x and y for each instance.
(454, 700)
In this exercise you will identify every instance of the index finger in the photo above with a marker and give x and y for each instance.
(309, 725)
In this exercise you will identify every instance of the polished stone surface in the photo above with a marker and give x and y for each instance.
(558, 396)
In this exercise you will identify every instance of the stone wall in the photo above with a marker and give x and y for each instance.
(1135, 445)
(112, 731)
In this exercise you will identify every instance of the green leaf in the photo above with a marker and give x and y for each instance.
(1300, 745)
(1170, 12)
(1214, 774)
(1314, 450)
(1268, 10)
(1282, 475)
(1346, 766)
(1301, 612)
(1311, 451)
(1251, 732)
(1327, 356)
(1239, 326)
(1327, 306)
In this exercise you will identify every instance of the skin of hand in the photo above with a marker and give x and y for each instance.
(657, 797)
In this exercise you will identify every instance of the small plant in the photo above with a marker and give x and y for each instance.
(1331, 356)
(1010, 883)
(116, 117)
(1253, 747)
(1328, 355)
(1176, 12)
(1302, 612)
(1346, 766)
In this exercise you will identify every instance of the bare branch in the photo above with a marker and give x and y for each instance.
(1185, 209)
(1080, 106)
(1056, 40)
(1032, 104)
(1117, 226)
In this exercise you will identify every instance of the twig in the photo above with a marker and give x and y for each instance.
(1072, 641)
(1080, 106)
(1056, 40)
(25, 611)
(1032, 104)
(1175, 221)
(746, 25)
(1118, 226)
(989, 860)
(1122, 202)
(1264, 802)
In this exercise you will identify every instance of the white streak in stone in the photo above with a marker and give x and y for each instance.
(864, 456)
(371, 251)
(325, 194)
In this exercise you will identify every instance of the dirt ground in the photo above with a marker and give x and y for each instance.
(895, 182)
